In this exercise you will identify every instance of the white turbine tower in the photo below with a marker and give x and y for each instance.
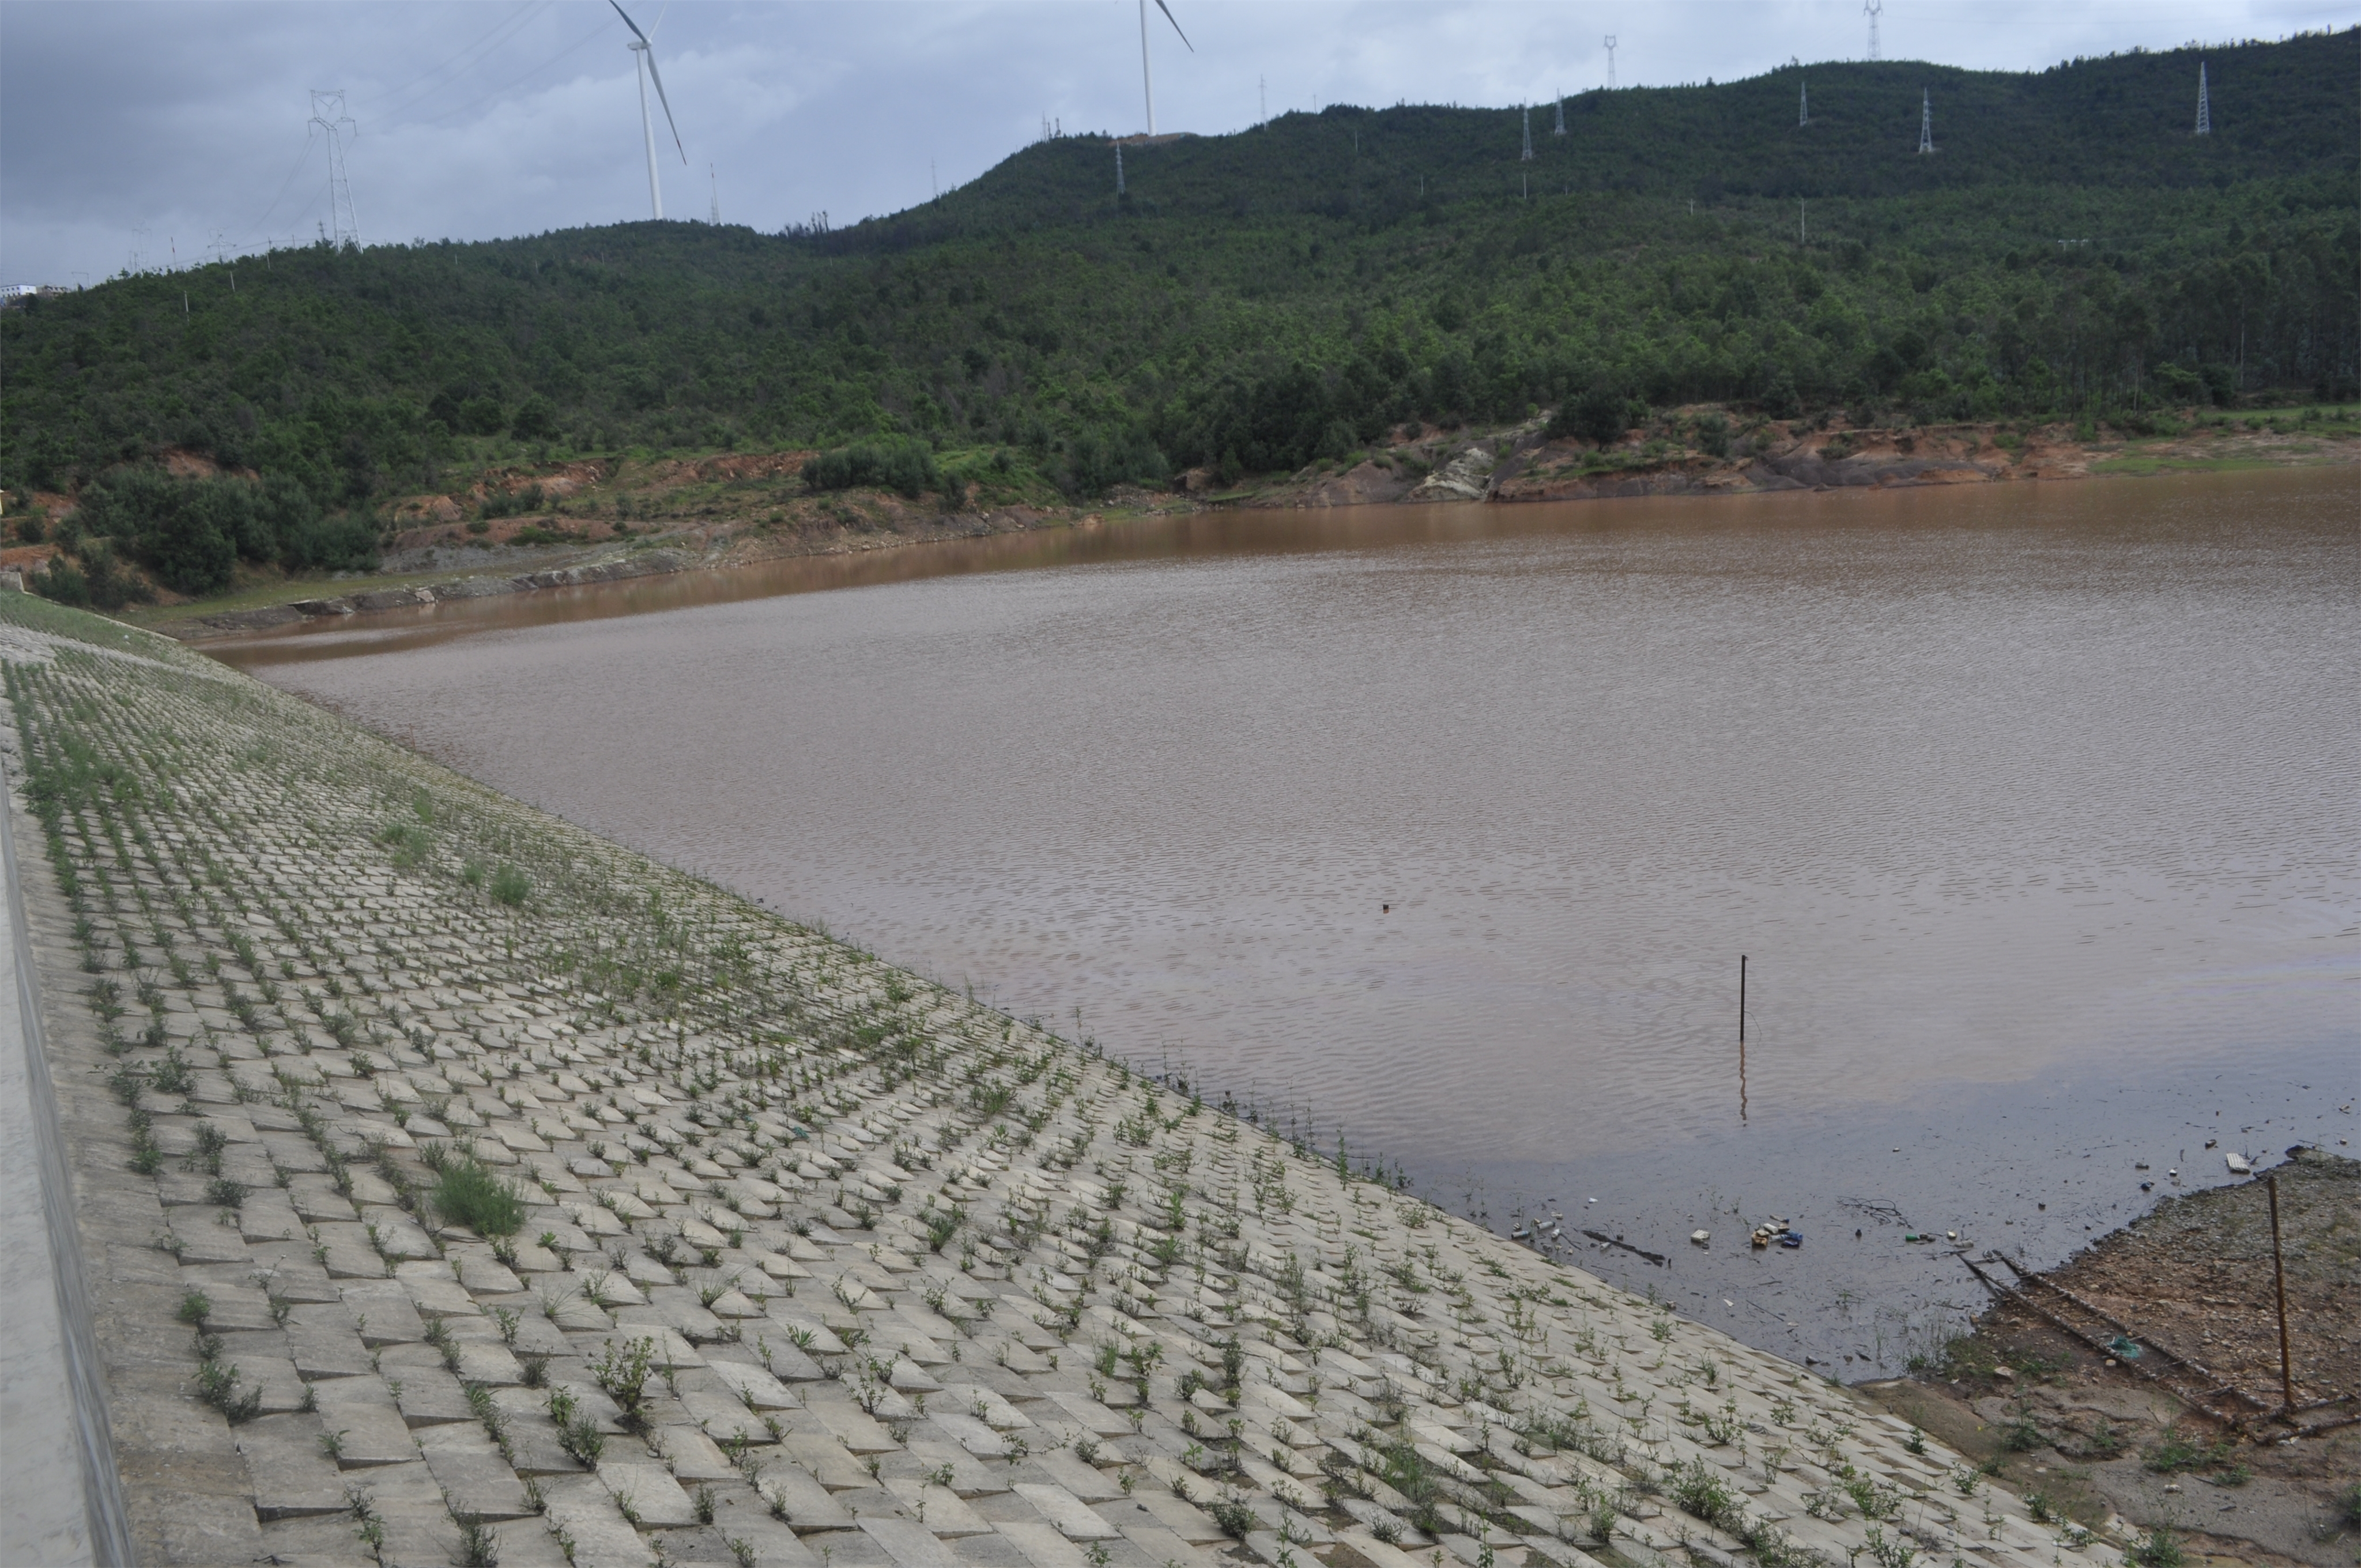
(1146, 79)
(644, 53)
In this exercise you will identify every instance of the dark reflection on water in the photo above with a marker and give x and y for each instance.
(1994, 784)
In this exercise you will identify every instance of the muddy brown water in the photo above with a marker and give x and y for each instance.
(2033, 808)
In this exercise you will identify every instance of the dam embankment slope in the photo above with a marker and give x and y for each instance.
(454, 1184)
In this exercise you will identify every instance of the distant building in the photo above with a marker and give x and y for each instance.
(14, 294)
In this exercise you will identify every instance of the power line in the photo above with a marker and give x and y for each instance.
(284, 186)
(499, 33)
(594, 34)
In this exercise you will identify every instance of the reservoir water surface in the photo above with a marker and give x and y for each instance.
(2032, 808)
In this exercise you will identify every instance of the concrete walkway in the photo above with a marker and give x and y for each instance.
(61, 1503)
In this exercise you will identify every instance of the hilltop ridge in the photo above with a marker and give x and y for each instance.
(2119, 120)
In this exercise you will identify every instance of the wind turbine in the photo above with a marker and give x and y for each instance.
(644, 53)
(1147, 81)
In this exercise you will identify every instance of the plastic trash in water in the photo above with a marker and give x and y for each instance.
(1789, 1238)
(2124, 1348)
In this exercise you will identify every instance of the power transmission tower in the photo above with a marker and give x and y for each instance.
(1262, 95)
(1870, 9)
(2205, 105)
(1926, 121)
(1118, 169)
(716, 179)
(328, 113)
(1529, 133)
(1610, 63)
(1561, 117)
(1803, 104)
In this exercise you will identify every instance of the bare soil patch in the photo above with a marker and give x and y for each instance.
(2048, 1414)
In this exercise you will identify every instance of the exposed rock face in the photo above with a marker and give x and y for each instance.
(801, 1258)
(1467, 477)
(1365, 484)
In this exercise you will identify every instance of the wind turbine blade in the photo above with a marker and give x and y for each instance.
(1176, 26)
(627, 21)
(666, 103)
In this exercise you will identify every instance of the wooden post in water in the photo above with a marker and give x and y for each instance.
(2279, 1278)
(1741, 1037)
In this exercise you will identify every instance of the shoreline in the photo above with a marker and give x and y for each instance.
(297, 977)
(1511, 467)
(2191, 1428)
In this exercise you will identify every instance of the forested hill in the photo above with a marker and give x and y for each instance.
(1258, 299)
(2126, 122)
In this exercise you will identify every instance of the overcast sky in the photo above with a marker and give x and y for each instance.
(135, 130)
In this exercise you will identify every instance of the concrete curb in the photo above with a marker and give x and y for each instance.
(66, 1498)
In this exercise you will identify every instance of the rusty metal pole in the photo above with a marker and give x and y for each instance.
(2278, 1277)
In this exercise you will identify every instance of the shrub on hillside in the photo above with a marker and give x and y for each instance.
(1599, 416)
(886, 464)
(63, 583)
(191, 532)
